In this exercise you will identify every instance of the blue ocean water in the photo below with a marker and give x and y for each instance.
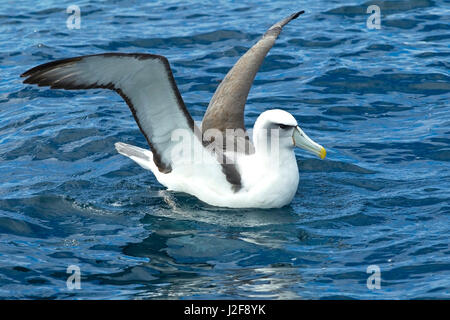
(377, 99)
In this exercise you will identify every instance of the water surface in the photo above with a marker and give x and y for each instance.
(378, 100)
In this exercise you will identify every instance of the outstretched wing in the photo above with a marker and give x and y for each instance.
(144, 81)
(226, 108)
(147, 85)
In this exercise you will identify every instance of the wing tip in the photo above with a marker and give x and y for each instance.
(291, 17)
(297, 14)
(276, 28)
(27, 73)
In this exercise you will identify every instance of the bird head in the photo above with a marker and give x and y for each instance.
(289, 133)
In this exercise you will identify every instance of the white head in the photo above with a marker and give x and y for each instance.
(283, 124)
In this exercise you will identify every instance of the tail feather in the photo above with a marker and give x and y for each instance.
(141, 156)
(132, 151)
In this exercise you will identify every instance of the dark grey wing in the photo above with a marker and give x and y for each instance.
(226, 108)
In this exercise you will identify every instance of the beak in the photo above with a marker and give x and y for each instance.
(301, 140)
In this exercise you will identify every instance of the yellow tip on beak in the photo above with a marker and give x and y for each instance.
(303, 141)
(323, 153)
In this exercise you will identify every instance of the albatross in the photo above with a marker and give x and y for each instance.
(234, 170)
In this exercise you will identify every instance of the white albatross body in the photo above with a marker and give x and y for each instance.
(269, 179)
(262, 173)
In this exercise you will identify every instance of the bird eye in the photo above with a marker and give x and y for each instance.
(284, 126)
